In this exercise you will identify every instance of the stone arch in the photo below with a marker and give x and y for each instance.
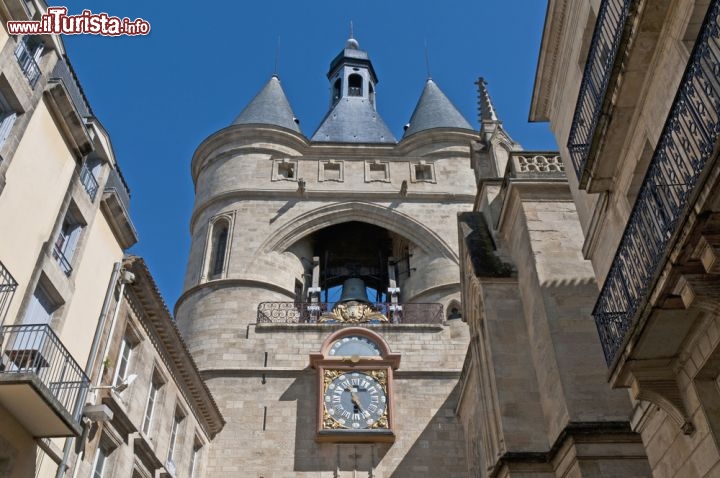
(381, 216)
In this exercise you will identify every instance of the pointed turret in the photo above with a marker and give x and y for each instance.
(434, 110)
(270, 106)
(353, 116)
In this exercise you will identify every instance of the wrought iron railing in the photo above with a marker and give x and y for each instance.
(7, 290)
(612, 16)
(36, 350)
(312, 313)
(683, 154)
(59, 255)
(26, 60)
(87, 178)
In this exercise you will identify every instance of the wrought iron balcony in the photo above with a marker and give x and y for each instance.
(40, 383)
(600, 62)
(7, 290)
(26, 60)
(59, 255)
(680, 160)
(321, 312)
(87, 178)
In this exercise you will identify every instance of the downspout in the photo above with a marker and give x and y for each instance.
(62, 467)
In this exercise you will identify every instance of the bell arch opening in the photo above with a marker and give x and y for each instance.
(354, 260)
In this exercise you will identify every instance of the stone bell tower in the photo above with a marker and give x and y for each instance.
(296, 238)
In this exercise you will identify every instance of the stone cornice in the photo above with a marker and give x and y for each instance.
(172, 348)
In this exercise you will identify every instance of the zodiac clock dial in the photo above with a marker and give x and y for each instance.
(355, 400)
(354, 345)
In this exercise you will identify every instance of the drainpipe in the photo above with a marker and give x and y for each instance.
(62, 467)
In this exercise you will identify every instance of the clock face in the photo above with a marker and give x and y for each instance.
(354, 345)
(355, 400)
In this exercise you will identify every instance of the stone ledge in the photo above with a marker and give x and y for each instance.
(324, 328)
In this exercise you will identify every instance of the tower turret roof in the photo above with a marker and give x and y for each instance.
(270, 106)
(353, 116)
(435, 110)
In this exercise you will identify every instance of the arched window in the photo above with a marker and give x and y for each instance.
(454, 311)
(337, 91)
(218, 248)
(355, 85)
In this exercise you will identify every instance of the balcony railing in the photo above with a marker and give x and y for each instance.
(33, 353)
(7, 290)
(59, 255)
(27, 62)
(604, 46)
(681, 158)
(87, 178)
(313, 313)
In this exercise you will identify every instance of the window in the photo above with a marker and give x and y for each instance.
(284, 170)
(7, 119)
(218, 251)
(331, 171)
(423, 172)
(174, 436)
(42, 305)
(121, 371)
(377, 171)
(195, 458)
(99, 463)
(28, 52)
(337, 91)
(68, 237)
(355, 85)
(150, 407)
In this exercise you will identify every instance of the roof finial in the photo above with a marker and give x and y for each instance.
(277, 57)
(352, 42)
(427, 60)
(487, 110)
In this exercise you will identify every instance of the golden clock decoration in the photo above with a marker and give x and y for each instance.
(355, 369)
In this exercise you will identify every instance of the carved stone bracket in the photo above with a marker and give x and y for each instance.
(701, 291)
(658, 385)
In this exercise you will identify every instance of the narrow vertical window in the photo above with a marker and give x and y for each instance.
(68, 237)
(121, 370)
(195, 459)
(219, 249)
(337, 91)
(150, 407)
(99, 465)
(7, 119)
(174, 436)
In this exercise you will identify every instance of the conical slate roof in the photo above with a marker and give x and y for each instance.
(434, 110)
(270, 106)
(353, 120)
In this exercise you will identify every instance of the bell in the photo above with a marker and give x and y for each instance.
(354, 289)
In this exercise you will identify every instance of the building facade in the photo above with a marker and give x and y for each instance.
(63, 206)
(293, 239)
(65, 225)
(631, 92)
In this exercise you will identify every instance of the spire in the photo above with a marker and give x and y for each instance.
(434, 110)
(353, 117)
(487, 110)
(270, 106)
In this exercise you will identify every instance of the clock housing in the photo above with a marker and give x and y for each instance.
(355, 387)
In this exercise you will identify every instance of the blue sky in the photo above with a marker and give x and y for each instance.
(160, 95)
